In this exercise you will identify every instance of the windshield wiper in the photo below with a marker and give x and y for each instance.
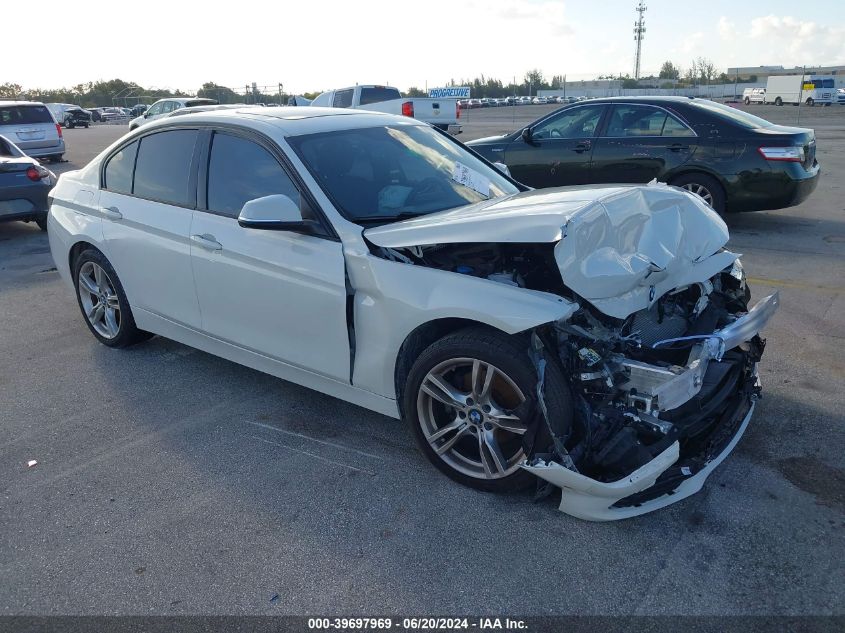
(403, 215)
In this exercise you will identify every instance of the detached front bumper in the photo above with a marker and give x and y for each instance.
(675, 473)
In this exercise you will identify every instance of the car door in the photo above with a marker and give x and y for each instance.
(558, 149)
(279, 293)
(640, 142)
(147, 200)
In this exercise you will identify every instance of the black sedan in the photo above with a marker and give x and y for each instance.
(732, 159)
(24, 185)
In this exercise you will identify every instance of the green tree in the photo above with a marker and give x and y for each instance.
(669, 71)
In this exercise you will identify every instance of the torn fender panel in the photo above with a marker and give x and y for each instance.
(634, 245)
(393, 299)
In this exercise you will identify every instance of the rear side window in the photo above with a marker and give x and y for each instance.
(25, 114)
(118, 176)
(634, 120)
(163, 167)
(343, 98)
(240, 170)
(377, 94)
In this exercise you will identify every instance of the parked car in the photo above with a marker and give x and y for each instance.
(441, 113)
(390, 267)
(69, 115)
(31, 126)
(840, 96)
(752, 164)
(112, 114)
(539, 101)
(24, 185)
(96, 114)
(138, 109)
(164, 107)
(754, 95)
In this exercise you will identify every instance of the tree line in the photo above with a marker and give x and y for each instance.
(701, 71)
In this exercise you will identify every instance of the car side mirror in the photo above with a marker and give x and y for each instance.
(502, 168)
(528, 136)
(275, 213)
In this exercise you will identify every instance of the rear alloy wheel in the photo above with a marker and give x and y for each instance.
(705, 187)
(466, 401)
(103, 302)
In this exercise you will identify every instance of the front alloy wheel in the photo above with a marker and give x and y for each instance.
(701, 191)
(465, 408)
(470, 398)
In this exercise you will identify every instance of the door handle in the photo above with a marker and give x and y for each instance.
(112, 213)
(677, 147)
(582, 146)
(207, 242)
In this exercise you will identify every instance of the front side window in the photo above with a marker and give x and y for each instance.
(635, 120)
(240, 170)
(573, 123)
(343, 98)
(387, 173)
(155, 109)
(163, 167)
(118, 175)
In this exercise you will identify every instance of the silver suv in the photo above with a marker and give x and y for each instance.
(32, 127)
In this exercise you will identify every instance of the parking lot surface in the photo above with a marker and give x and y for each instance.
(170, 481)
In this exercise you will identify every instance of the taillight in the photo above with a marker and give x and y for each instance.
(37, 172)
(59, 130)
(791, 154)
(457, 110)
(408, 109)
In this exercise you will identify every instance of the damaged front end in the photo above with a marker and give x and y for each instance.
(661, 397)
(659, 348)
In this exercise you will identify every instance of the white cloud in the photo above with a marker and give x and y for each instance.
(727, 29)
(790, 41)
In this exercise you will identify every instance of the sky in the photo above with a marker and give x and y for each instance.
(311, 45)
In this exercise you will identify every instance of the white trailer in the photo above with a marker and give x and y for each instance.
(795, 89)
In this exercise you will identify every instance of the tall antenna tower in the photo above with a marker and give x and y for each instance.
(639, 34)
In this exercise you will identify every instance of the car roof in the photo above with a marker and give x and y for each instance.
(20, 103)
(653, 99)
(291, 120)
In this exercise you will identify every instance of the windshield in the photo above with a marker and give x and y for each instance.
(387, 173)
(732, 114)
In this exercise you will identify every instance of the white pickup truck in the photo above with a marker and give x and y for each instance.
(441, 113)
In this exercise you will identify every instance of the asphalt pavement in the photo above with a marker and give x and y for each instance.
(169, 481)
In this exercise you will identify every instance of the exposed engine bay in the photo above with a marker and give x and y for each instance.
(660, 383)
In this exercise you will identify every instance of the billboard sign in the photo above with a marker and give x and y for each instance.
(452, 92)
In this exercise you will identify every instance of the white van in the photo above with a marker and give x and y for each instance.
(807, 89)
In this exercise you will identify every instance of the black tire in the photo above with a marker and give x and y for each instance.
(747, 101)
(713, 186)
(810, 102)
(509, 355)
(69, 124)
(42, 222)
(128, 333)
(778, 101)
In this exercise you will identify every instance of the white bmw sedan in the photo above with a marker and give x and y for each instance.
(597, 338)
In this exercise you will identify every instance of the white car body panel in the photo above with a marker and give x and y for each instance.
(246, 293)
(150, 247)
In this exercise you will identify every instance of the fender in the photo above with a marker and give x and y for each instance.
(392, 299)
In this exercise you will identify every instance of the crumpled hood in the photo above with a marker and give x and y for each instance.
(619, 247)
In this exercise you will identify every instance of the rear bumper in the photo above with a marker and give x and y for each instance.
(23, 202)
(778, 189)
(51, 150)
(452, 128)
